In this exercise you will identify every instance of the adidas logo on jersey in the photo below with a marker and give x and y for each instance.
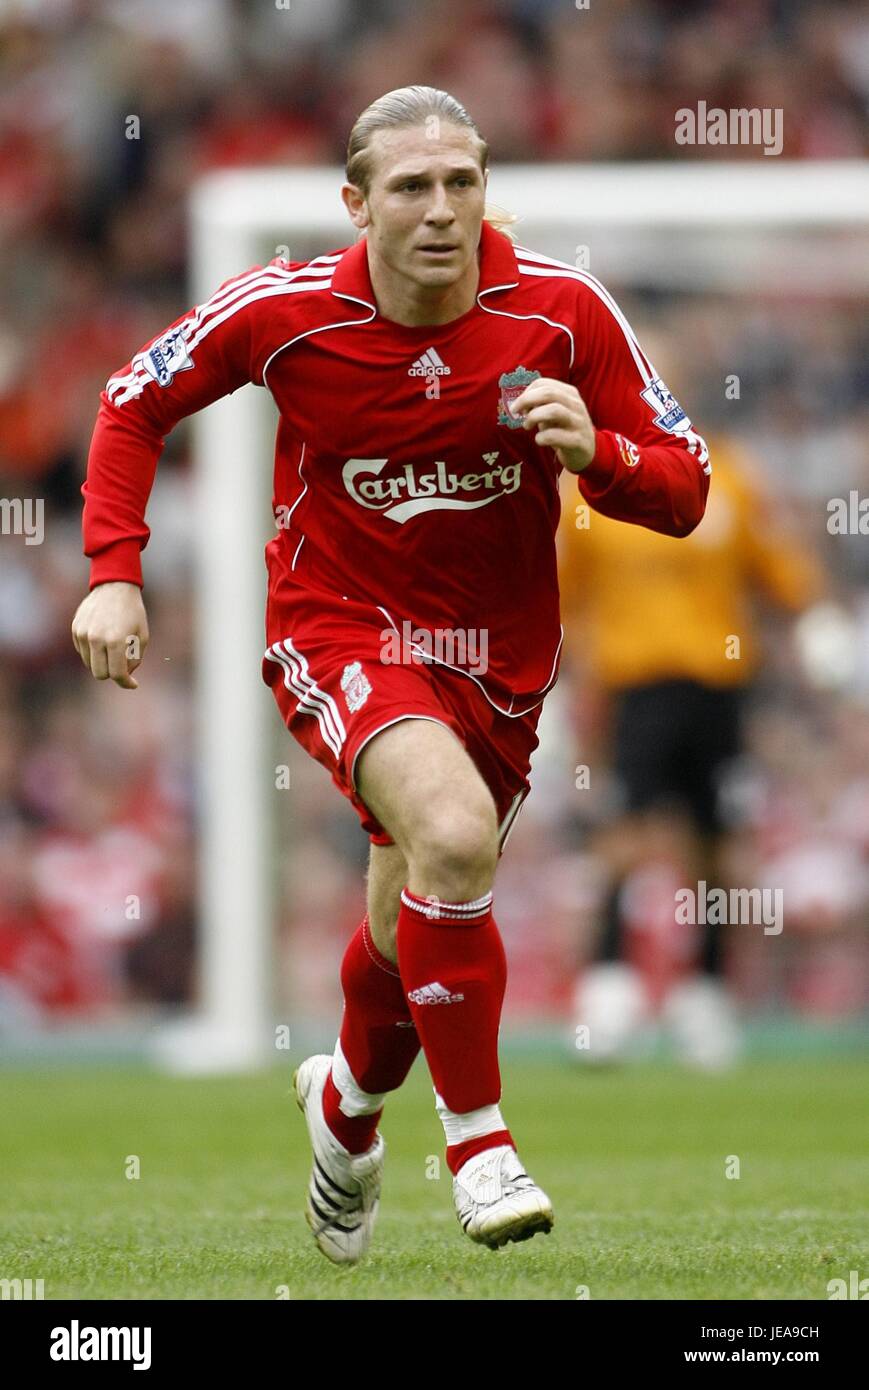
(434, 994)
(430, 364)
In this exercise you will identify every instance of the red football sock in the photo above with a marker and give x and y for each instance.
(377, 1046)
(454, 973)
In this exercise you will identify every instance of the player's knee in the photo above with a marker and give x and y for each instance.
(458, 852)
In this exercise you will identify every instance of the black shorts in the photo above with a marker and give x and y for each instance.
(671, 742)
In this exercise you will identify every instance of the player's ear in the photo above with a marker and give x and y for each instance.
(356, 204)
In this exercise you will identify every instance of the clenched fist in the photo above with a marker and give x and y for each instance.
(110, 632)
(566, 424)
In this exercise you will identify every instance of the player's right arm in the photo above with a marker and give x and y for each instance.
(205, 354)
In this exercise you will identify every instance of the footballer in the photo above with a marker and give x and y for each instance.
(432, 379)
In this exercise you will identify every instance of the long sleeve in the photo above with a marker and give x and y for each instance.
(650, 467)
(205, 354)
(781, 561)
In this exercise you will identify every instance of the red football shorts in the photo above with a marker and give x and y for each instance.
(324, 664)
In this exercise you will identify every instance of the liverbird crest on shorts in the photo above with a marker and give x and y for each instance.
(512, 385)
(356, 686)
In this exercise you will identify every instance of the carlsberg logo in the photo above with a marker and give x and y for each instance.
(410, 493)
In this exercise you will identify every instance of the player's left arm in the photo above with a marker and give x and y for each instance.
(615, 425)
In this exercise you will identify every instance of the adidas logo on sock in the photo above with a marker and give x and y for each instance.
(434, 994)
(430, 364)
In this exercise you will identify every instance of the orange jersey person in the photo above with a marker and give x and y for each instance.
(642, 607)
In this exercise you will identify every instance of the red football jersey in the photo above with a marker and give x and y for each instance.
(402, 479)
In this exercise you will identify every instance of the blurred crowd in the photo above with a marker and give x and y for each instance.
(110, 110)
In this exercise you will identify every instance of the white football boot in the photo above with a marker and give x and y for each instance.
(496, 1201)
(344, 1190)
(703, 1023)
(611, 1000)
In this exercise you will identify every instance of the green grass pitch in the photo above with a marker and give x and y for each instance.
(634, 1161)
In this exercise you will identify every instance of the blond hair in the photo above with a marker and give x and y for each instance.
(407, 106)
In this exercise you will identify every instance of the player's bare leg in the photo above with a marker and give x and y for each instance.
(420, 783)
(387, 875)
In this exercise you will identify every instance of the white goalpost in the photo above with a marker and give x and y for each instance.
(689, 225)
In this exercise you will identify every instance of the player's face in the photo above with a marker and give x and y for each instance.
(426, 201)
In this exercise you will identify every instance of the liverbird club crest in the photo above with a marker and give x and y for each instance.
(512, 385)
(356, 686)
